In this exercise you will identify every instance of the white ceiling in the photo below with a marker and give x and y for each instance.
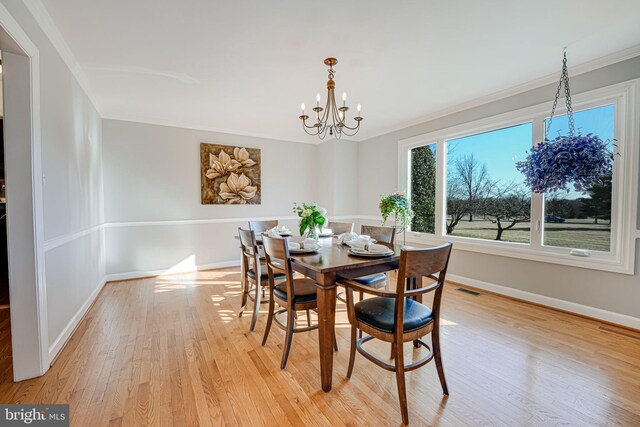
(245, 66)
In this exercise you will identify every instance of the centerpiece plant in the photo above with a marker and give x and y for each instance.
(312, 218)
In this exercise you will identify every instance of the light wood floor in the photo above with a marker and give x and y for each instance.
(172, 351)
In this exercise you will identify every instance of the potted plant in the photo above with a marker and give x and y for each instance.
(552, 165)
(312, 217)
(583, 160)
(398, 205)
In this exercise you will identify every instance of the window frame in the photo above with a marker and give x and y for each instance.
(621, 258)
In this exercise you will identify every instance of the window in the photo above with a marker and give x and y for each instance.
(464, 186)
(582, 220)
(486, 196)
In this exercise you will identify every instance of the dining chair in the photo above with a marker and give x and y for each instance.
(262, 226)
(340, 227)
(292, 294)
(382, 235)
(399, 316)
(254, 273)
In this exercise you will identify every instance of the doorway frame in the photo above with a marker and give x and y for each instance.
(39, 328)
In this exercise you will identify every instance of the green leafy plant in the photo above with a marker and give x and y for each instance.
(311, 218)
(398, 205)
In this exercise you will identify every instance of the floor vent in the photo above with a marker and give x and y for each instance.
(469, 291)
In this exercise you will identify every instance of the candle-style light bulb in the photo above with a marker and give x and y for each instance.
(359, 108)
(344, 96)
(302, 106)
(340, 114)
(318, 100)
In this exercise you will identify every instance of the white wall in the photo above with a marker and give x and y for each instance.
(617, 293)
(154, 217)
(72, 168)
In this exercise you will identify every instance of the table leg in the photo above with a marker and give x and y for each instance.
(326, 329)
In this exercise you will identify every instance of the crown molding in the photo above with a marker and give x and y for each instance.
(201, 127)
(44, 20)
(576, 70)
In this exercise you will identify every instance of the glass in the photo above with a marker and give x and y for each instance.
(486, 195)
(582, 220)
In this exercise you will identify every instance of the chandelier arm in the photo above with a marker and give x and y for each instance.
(309, 133)
(306, 126)
(351, 134)
(336, 117)
(325, 112)
(356, 127)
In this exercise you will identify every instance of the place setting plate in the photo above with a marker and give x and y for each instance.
(370, 254)
(308, 249)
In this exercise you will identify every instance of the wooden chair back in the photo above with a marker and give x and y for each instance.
(415, 265)
(276, 252)
(249, 248)
(262, 226)
(381, 234)
(340, 227)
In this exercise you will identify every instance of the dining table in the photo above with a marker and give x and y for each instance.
(331, 262)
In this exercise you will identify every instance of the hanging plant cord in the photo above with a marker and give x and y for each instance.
(564, 79)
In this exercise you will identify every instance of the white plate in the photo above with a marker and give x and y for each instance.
(307, 249)
(350, 242)
(367, 254)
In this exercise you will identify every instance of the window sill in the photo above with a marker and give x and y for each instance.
(561, 256)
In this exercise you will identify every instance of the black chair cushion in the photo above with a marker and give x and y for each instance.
(378, 313)
(304, 289)
(372, 279)
(265, 276)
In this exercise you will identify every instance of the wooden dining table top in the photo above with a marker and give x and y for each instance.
(335, 257)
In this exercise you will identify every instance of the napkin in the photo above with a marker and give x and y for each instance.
(347, 237)
(307, 243)
(272, 233)
(372, 247)
(282, 229)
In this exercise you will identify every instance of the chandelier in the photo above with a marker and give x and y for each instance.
(330, 119)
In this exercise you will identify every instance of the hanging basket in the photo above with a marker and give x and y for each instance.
(578, 160)
(581, 160)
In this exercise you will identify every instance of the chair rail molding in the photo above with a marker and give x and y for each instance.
(67, 238)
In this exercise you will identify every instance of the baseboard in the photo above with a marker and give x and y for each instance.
(114, 277)
(571, 307)
(62, 339)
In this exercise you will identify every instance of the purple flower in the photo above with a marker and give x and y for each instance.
(552, 165)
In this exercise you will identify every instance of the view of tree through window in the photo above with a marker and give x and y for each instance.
(575, 219)
(423, 188)
(486, 195)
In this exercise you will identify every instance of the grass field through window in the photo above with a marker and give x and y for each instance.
(573, 233)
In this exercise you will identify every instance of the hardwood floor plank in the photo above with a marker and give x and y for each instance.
(172, 351)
